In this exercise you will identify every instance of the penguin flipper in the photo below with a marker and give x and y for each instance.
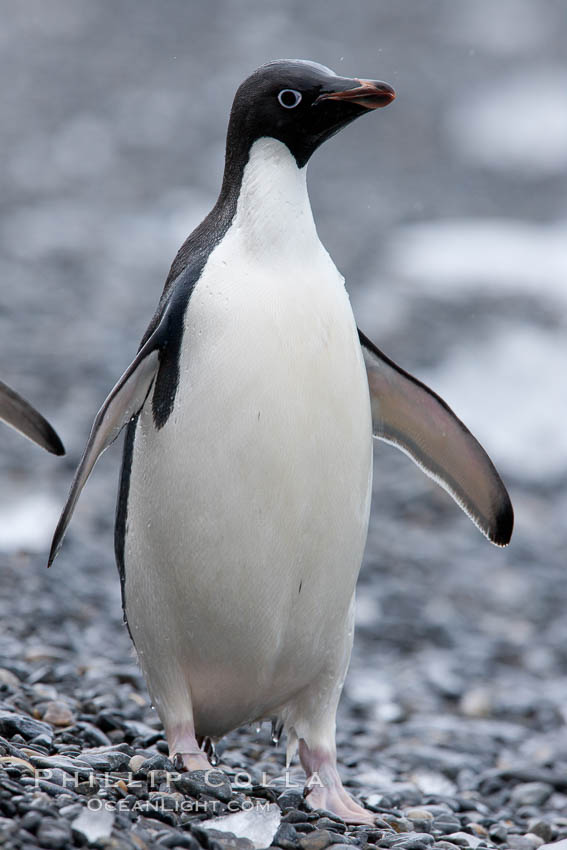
(17, 412)
(121, 405)
(412, 417)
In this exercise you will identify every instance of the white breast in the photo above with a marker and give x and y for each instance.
(248, 510)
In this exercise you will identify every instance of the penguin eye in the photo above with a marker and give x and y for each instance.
(289, 98)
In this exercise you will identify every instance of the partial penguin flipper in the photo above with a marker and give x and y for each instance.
(412, 417)
(17, 412)
(124, 402)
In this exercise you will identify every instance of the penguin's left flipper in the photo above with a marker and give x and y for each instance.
(17, 412)
(412, 417)
(123, 403)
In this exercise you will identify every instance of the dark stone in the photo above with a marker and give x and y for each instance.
(7, 808)
(31, 820)
(25, 839)
(264, 793)
(135, 729)
(157, 762)
(290, 799)
(413, 841)
(318, 839)
(543, 829)
(498, 832)
(50, 788)
(179, 839)
(74, 767)
(43, 741)
(524, 842)
(156, 812)
(12, 725)
(73, 810)
(228, 841)
(286, 836)
(334, 823)
(198, 783)
(54, 833)
(373, 836)
(446, 823)
(445, 845)
(107, 760)
(294, 816)
(531, 794)
(91, 735)
(305, 826)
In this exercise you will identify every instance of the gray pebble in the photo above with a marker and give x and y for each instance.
(464, 839)
(198, 783)
(418, 814)
(290, 799)
(92, 735)
(31, 820)
(12, 724)
(316, 840)
(305, 826)
(399, 824)
(54, 833)
(498, 831)
(543, 829)
(71, 811)
(333, 823)
(413, 841)
(229, 841)
(447, 823)
(179, 839)
(295, 816)
(136, 763)
(286, 836)
(42, 740)
(48, 766)
(529, 841)
(106, 760)
(531, 794)
(342, 846)
(157, 762)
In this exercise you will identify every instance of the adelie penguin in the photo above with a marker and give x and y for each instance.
(19, 414)
(246, 479)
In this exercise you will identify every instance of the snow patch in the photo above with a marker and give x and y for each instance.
(27, 523)
(449, 256)
(520, 126)
(509, 391)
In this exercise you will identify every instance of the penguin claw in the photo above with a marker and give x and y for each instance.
(191, 761)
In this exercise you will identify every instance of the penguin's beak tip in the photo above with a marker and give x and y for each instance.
(371, 94)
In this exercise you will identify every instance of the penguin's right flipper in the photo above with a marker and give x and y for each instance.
(123, 403)
(412, 417)
(17, 412)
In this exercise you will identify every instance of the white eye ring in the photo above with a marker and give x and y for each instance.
(285, 99)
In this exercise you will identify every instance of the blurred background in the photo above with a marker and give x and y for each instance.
(447, 214)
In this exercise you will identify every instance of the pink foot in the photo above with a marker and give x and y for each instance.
(183, 747)
(194, 761)
(325, 789)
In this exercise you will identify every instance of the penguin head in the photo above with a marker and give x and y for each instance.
(301, 104)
